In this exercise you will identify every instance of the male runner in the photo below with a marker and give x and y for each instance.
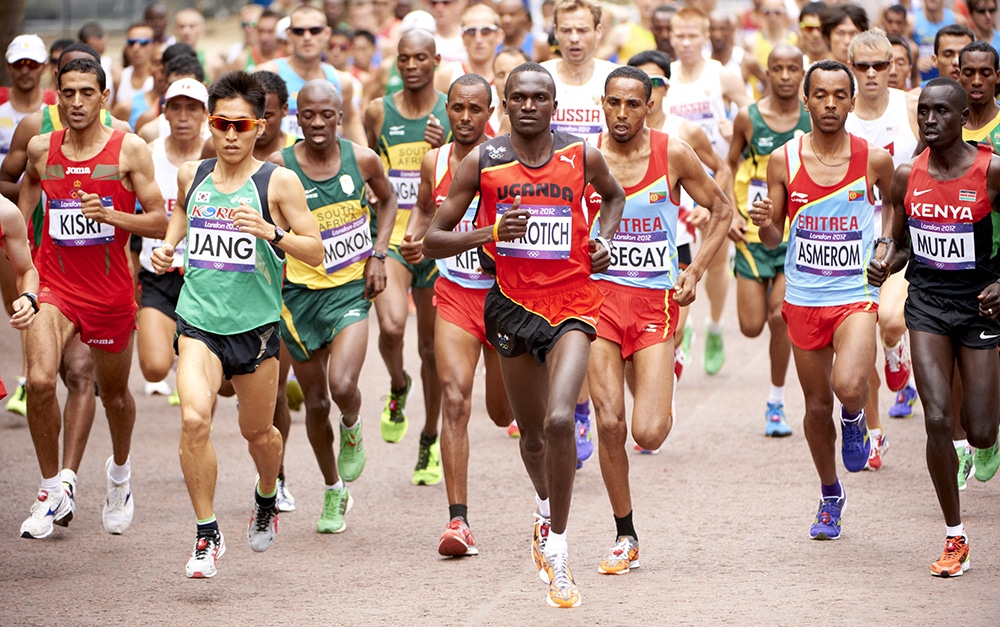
(822, 182)
(233, 261)
(642, 289)
(14, 239)
(324, 320)
(948, 43)
(93, 177)
(543, 311)
(401, 128)
(759, 130)
(943, 223)
(927, 23)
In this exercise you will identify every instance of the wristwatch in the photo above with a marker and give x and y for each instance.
(380, 256)
(33, 298)
(603, 241)
(278, 234)
(884, 240)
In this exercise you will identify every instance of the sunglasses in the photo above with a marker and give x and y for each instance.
(312, 30)
(240, 125)
(772, 12)
(878, 66)
(25, 63)
(808, 28)
(142, 42)
(437, 2)
(985, 11)
(341, 47)
(659, 81)
(248, 24)
(485, 31)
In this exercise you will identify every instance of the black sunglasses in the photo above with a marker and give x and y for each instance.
(878, 66)
(142, 42)
(313, 30)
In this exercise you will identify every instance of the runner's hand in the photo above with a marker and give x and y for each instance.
(91, 207)
(760, 212)
(600, 257)
(412, 251)
(434, 133)
(24, 313)
(989, 301)
(699, 217)
(685, 289)
(375, 278)
(513, 224)
(162, 258)
(738, 229)
(249, 221)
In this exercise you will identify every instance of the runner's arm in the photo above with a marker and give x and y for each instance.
(891, 257)
(769, 213)
(374, 115)
(611, 192)
(385, 211)
(441, 241)
(741, 132)
(15, 244)
(287, 199)
(423, 210)
(137, 161)
(352, 118)
(881, 166)
(17, 157)
(31, 184)
(163, 257)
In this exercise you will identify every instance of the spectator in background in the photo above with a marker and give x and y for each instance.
(926, 24)
(447, 15)
(267, 48)
(362, 54)
(982, 20)
(137, 78)
(54, 51)
(389, 26)
(336, 13)
(660, 27)
(152, 124)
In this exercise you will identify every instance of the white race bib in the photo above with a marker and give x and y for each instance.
(218, 245)
(828, 253)
(405, 183)
(943, 246)
(69, 227)
(549, 233)
(638, 255)
(756, 191)
(346, 244)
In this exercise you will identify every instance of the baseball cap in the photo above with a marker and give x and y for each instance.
(281, 28)
(29, 47)
(187, 87)
(419, 19)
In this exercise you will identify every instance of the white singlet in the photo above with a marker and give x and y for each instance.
(126, 92)
(579, 112)
(700, 101)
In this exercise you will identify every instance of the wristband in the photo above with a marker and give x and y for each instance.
(33, 299)
(496, 230)
(377, 255)
(603, 241)
(884, 240)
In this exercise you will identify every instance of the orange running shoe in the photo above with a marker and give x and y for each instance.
(457, 540)
(513, 431)
(539, 538)
(562, 591)
(954, 559)
(624, 556)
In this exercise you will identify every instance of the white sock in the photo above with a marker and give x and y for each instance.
(556, 543)
(68, 476)
(345, 425)
(911, 381)
(874, 434)
(52, 484)
(893, 348)
(21, 381)
(120, 474)
(964, 443)
(777, 396)
(957, 530)
(543, 507)
(337, 486)
(713, 327)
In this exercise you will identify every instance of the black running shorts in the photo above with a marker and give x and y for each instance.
(957, 318)
(514, 331)
(240, 353)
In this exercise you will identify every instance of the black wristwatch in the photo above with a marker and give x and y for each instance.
(278, 234)
(34, 300)
(884, 240)
(380, 256)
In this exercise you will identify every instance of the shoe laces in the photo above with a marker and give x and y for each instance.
(621, 550)
(118, 496)
(205, 542)
(853, 434)
(559, 563)
(423, 456)
(543, 532)
(829, 510)
(335, 505)
(953, 548)
(894, 358)
(263, 517)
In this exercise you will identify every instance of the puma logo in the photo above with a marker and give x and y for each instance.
(569, 160)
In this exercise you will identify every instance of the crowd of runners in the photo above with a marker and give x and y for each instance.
(545, 195)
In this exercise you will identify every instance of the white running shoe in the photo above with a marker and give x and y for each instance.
(158, 387)
(263, 528)
(209, 546)
(68, 478)
(286, 502)
(118, 506)
(48, 508)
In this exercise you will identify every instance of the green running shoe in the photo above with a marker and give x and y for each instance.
(987, 460)
(18, 402)
(351, 460)
(715, 356)
(965, 466)
(293, 394)
(393, 424)
(428, 470)
(336, 503)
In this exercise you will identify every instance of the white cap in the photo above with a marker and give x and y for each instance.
(187, 87)
(27, 47)
(281, 28)
(419, 19)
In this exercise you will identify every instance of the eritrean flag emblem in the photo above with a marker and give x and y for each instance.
(657, 198)
(855, 195)
(967, 195)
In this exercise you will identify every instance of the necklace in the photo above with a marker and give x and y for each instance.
(813, 145)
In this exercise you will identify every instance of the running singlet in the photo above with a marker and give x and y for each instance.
(924, 32)
(82, 260)
(988, 134)
(9, 117)
(341, 209)
(891, 131)
(750, 180)
(645, 252)
(580, 112)
(402, 148)
(52, 122)
(232, 280)
(953, 240)
(294, 83)
(165, 173)
(553, 257)
(639, 40)
(462, 269)
(700, 101)
(831, 233)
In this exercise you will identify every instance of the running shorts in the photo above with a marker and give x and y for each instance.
(635, 318)
(424, 273)
(683, 256)
(956, 318)
(310, 319)
(109, 330)
(462, 307)
(240, 353)
(757, 262)
(812, 328)
(161, 291)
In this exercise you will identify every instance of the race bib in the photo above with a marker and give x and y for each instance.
(828, 253)
(218, 245)
(548, 236)
(346, 244)
(69, 227)
(149, 245)
(943, 246)
(640, 255)
(465, 265)
(756, 191)
(405, 183)
(290, 123)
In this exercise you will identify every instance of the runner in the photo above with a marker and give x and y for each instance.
(953, 300)
(14, 239)
(233, 261)
(324, 320)
(642, 289)
(86, 285)
(822, 182)
(759, 130)
(542, 313)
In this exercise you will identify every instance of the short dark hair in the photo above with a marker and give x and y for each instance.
(269, 13)
(85, 66)
(952, 30)
(957, 91)
(177, 50)
(980, 46)
(61, 44)
(531, 66)
(628, 71)
(834, 14)
(827, 65)
(185, 65)
(897, 8)
(973, 4)
(367, 34)
(90, 30)
(273, 84)
(899, 41)
(238, 85)
(657, 57)
(78, 46)
(343, 32)
(813, 8)
(514, 51)
(473, 79)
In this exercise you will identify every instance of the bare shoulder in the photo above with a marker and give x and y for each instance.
(268, 66)
(284, 180)
(38, 145)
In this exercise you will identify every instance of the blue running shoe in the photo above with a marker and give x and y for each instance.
(776, 425)
(856, 445)
(905, 399)
(584, 445)
(826, 526)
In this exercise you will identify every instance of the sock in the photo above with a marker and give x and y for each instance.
(53, 484)
(266, 501)
(401, 391)
(713, 327)
(832, 490)
(459, 510)
(777, 396)
(874, 434)
(67, 476)
(556, 543)
(209, 524)
(964, 443)
(543, 507)
(120, 474)
(22, 381)
(337, 486)
(957, 530)
(427, 440)
(582, 411)
(349, 427)
(846, 416)
(893, 348)
(625, 527)
(911, 381)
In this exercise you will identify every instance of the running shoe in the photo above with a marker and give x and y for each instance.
(905, 399)
(157, 387)
(826, 526)
(966, 466)
(428, 470)
(174, 399)
(879, 446)
(539, 538)
(263, 527)
(562, 589)
(209, 546)
(987, 461)
(584, 443)
(352, 457)
(293, 393)
(118, 505)
(687, 340)
(776, 426)
(680, 360)
(457, 540)
(336, 504)
(645, 451)
(897, 366)
(286, 502)
(393, 424)
(47, 508)
(18, 401)
(954, 559)
(856, 444)
(715, 355)
(513, 431)
(624, 556)
(68, 479)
